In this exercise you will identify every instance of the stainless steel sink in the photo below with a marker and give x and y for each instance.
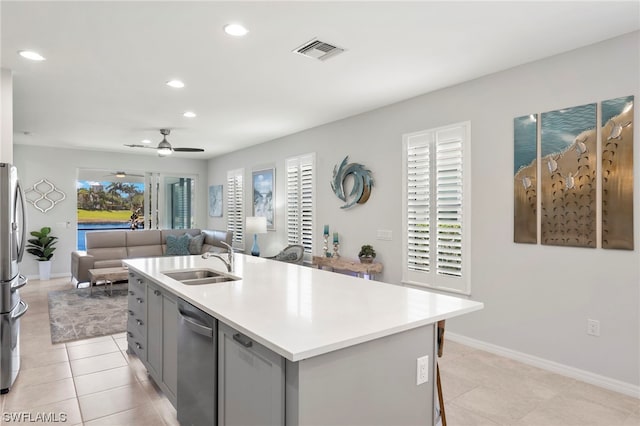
(199, 276)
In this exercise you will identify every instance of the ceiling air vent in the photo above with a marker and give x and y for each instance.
(318, 50)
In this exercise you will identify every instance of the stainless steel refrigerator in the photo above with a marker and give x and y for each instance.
(12, 243)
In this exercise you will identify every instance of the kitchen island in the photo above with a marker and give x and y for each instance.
(347, 348)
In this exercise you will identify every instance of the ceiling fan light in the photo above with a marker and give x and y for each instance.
(164, 148)
(121, 174)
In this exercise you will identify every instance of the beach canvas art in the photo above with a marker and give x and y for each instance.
(617, 173)
(263, 195)
(525, 199)
(568, 176)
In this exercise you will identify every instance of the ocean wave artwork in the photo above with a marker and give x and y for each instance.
(525, 141)
(617, 173)
(568, 176)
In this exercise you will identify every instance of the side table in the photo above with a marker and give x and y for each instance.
(362, 269)
(108, 275)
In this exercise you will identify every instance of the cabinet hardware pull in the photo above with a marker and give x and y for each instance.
(244, 341)
(138, 345)
(139, 300)
(130, 312)
(130, 334)
(139, 322)
(131, 293)
(157, 292)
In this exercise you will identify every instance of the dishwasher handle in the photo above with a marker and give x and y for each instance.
(196, 326)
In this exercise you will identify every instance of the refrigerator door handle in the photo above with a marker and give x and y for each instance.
(21, 282)
(23, 222)
(23, 310)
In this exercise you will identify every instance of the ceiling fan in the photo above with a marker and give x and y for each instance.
(121, 174)
(164, 148)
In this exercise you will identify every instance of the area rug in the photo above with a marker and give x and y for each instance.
(76, 315)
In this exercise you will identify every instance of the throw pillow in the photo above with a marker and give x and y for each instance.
(195, 244)
(177, 246)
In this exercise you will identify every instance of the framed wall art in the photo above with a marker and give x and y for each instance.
(215, 201)
(263, 182)
(568, 176)
(525, 148)
(617, 173)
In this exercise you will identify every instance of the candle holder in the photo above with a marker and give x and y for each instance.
(336, 249)
(325, 246)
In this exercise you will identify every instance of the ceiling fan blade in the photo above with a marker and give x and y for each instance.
(133, 145)
(188, 149)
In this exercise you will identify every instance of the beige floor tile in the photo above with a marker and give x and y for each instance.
(112, 401)
(603, 396)
(89, 341)
(454, 385)
(122, 343)
(103, 380)
(153, 391)
(41, 394)
(42, 358)
(143, 415)
(501, 406)
(458, 416)
(44, 374)
(92, 349)
(573, 411)
(38, 344)
(167, 412)
(633, 419)
(97, 363)
(136, 366)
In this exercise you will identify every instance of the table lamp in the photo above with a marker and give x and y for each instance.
(256, 225)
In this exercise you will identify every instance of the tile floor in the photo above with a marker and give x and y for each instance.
(95, 382)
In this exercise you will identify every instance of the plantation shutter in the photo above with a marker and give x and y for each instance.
(436, 227)
(300, 197)
(449, 204)
(417, 215)
(235, 205)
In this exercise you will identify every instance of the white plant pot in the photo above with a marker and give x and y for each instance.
(45, 269)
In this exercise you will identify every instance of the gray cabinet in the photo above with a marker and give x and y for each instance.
(152, 332)
(251, 381)
(136, 317)
(162, 340)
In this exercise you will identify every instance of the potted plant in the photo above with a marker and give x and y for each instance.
(367, 254)
(42, 247)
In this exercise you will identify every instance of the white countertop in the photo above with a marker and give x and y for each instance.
(300, 312)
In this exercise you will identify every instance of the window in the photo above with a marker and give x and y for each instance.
(436, 170)
(235, 205)
(300, 196)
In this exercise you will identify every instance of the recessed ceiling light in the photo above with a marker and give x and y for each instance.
(189, 114)
(34, 56)
(147, 141)
(236, 30)
(175, 84)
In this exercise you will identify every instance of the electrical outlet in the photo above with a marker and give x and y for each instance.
(593, 327)
(384, 234)
(422, 374)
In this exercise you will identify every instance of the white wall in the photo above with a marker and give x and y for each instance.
(537, 298)
(60, 166)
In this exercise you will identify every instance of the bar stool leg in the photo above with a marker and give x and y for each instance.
(440, 398)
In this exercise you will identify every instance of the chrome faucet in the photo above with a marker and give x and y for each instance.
(228, 262)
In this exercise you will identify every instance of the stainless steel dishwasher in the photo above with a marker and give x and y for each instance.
(197, 336)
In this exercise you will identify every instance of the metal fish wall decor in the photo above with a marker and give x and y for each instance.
(362, 183)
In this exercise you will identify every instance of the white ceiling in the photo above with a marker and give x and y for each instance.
(103, 83)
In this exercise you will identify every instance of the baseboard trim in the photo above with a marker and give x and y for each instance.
(564, 370)
(57, 275)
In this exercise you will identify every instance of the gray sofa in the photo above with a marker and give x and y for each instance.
(107, 249)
